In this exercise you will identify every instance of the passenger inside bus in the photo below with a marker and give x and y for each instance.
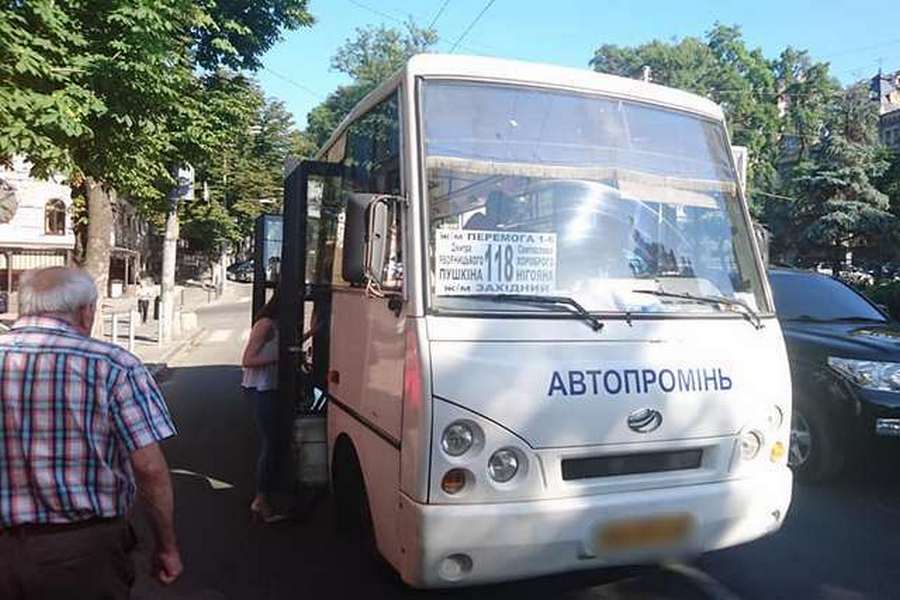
(492, 216)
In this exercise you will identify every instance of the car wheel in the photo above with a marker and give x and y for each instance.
(815, 454)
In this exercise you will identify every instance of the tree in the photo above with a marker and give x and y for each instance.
(805, 90)
(368, 59)
(722, 68)
(245, 175)
(110, 93)
(837, 205)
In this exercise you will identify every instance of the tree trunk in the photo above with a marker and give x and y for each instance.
(99, 239)
(167, 282)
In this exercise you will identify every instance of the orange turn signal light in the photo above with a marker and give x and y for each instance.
(778, 452)
(454, 481)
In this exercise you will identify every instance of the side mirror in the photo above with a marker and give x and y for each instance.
(353, 261)
(381, 239)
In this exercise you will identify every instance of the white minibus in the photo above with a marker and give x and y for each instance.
(542, 325)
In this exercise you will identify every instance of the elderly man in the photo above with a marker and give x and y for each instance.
(80, 423)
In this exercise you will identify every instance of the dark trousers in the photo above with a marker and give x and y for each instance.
(90, 562)
(143, 308)
(272, 440)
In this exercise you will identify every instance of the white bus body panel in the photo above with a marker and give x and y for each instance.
(497, 372)
(551, 391)
(526, 539)
(366, 386)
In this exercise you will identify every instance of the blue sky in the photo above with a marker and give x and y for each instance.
(852, 36)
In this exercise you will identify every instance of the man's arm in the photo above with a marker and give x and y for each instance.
(155, 489)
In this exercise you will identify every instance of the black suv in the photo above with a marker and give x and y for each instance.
(845, 366)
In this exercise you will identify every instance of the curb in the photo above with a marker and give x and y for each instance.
(163, 362)
(220, 301)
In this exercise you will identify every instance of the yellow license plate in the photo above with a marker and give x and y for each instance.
(645, 533)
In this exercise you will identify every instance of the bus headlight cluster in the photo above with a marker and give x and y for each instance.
(458, 438)
(503, 465)
(751, 443)
(477, 460)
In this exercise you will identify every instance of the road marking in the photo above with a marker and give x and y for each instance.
(710, 586)
(216, 484)
(220, 335)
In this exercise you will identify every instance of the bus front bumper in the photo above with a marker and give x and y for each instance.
(465, 544)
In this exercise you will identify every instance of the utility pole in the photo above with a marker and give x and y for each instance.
(183, 190)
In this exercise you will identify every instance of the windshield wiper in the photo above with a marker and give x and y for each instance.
(747, 312)
(592, 321)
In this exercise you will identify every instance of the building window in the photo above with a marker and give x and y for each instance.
(55, 218)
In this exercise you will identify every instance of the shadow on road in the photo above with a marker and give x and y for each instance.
(839, 539)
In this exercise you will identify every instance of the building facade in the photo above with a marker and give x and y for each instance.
(885, 88)
(35, 224)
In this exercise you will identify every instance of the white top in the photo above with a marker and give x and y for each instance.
(263, 379)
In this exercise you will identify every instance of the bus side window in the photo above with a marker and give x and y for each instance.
(372, 157)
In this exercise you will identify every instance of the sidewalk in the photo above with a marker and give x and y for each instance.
(190, 297)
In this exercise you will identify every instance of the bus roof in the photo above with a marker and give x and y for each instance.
(498, 70)
(528, 73)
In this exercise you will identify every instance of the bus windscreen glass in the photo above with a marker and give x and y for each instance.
(602, 200)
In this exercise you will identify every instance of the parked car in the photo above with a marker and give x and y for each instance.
(856, 277)
(241, 271)
(844, 353)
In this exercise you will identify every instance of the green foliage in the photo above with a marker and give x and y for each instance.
(889, 183)
(815, 163)
(377, 52)
(837, 204)
(116, 91)
(237, 33)
(44, 101)
(245, 173)
(806, 90)
(722, 68)
(369, 58)
(886, 295)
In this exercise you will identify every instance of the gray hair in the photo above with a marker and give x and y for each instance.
(57, 290)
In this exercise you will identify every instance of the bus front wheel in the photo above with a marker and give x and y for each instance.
(352, 514)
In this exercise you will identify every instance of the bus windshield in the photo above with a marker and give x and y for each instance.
(621, 206)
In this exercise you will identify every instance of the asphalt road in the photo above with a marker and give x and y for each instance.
(839, 541)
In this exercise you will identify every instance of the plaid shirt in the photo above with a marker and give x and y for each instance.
(72, 409)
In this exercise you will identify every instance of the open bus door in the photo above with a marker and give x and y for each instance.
(310, 190)
(266, 258)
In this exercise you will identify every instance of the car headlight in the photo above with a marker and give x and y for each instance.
(868, 374)
(458, 438)
(503, 465)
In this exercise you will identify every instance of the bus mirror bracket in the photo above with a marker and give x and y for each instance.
(383, 275)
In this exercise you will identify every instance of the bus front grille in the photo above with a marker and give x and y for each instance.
(630, 464)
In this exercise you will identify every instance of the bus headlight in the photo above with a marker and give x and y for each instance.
(503, 465)
(751, 444)
(775, 417)
(458, 438)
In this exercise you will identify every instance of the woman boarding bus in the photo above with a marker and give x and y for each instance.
(551, 341)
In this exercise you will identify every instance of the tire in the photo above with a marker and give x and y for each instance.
(816, 454)
(353, 517)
